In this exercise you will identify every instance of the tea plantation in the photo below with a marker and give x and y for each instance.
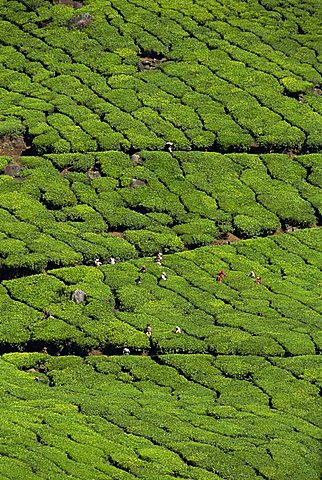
(135, 74)
(177, 416)
(160, 240)
(236, 394)
(64, 209)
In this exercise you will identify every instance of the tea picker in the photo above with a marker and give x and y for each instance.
(168, 146)
(148, 330)
(220, 275)
(163, 276)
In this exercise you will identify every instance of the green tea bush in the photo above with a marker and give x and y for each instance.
(16, 319)
(84, 217)
(84, 192)
(44, 142)
(3, 162)
(114, 246)
(12, 246)
(73, 276)
(283, 168)
(288, 206)
(124, 218)
(25, 360)
(78, 162)
(199, 232)
(57, 196)
(295, 342)
(247, 226)
(33, 290)
(148, 242)
(11, 127)
(36, 262)
(57, 252)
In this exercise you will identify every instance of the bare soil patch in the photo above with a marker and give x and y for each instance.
(69, 3)
(226, 239)
(150, 61)
(117, 234)
(95, 352)
(13, 147)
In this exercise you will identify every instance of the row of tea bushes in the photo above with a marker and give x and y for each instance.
(162, 419)
(67, 209)
(213, 77)
(280, 316)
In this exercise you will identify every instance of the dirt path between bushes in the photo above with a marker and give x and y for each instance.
(13, 147)
(229, 238)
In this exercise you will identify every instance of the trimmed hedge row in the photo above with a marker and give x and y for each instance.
(200, 404)
(212, 77)
(83, 203)
(280, 316)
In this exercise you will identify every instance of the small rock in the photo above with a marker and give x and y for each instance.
(137, 159)
(63, 2)
(301, 98)
(317, 90)
(95, 352)
(31, 370)
(137, 183)
(81, 21)
(79, 296)
(145, 66)
(92, 174)
(13, 170)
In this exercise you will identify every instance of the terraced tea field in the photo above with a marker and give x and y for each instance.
(136, 74)
(236, 394)
(193, 129)
(280, 316)
(63, 209)
(175, 416)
